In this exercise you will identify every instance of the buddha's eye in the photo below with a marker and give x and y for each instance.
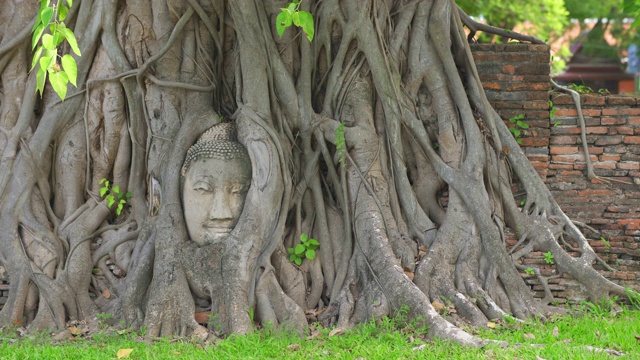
(202, 187)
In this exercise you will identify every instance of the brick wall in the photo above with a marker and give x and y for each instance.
(611, 206)
(516, 79)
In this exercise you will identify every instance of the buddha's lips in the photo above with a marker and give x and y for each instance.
(217, 228)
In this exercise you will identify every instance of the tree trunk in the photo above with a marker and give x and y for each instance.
(392, 80)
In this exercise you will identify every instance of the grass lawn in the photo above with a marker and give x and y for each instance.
(559, 338)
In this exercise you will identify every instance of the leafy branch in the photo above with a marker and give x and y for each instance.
(113, 195)
(518, 126)
(50, 31)
(293, 15)
(306, 249)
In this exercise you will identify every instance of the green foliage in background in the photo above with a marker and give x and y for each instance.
(544, 19)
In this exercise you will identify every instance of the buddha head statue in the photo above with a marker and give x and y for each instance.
(216, 178)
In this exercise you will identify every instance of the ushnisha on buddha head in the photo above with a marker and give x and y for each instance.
(217, 176)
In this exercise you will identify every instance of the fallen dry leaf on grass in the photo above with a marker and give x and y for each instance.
(438, 306)
(124, 353)
(75, 331)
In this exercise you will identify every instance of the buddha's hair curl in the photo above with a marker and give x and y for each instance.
(219, 142)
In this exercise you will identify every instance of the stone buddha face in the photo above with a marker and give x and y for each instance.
(217, 176)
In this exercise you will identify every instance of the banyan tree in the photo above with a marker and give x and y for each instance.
(351, 139)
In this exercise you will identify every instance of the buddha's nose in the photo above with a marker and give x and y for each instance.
(220, 209)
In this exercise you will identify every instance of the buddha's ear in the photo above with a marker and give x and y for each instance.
(260, 163)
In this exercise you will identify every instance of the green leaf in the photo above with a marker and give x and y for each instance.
(47, 42)
(290, 250)
(71, 39)
(298, 261)
(306, 23)
(311, 254)
(57, 39)
(102, 180)
(115, 189)
(110, 200)
(292, 7)
(283, 21)
(103, 190)
(45, 62)
(314, 241)
(38, 19)
(300, 249)
(296, 18)
(41, 78)
(47, 15)
(70, 3)
(304, 237)
(523, 125)
(129, 194)
(292, 258)
(119, 209)
(70, 67)
(62, 12)
(59, 81)
(37, 33)
(36, 57)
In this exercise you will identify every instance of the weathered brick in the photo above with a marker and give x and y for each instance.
(480, 57)
(604, 164)
(631, 224)
(620, 111)
(566, 112)
(632, 139)
(592, 99)
(622, 130)
(609, 140)
(597, 130)
(612, 120)
(563, 140)
(561, 99)
(629, 165)
(609, 157)
(527, 86)
(534, 142)
(620, 100)
(560, 150)
(537, 104)
(595, 150)
(601, 192)
(508, 69)
(533, 69)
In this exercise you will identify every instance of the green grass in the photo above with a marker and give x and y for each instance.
(370, 341)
